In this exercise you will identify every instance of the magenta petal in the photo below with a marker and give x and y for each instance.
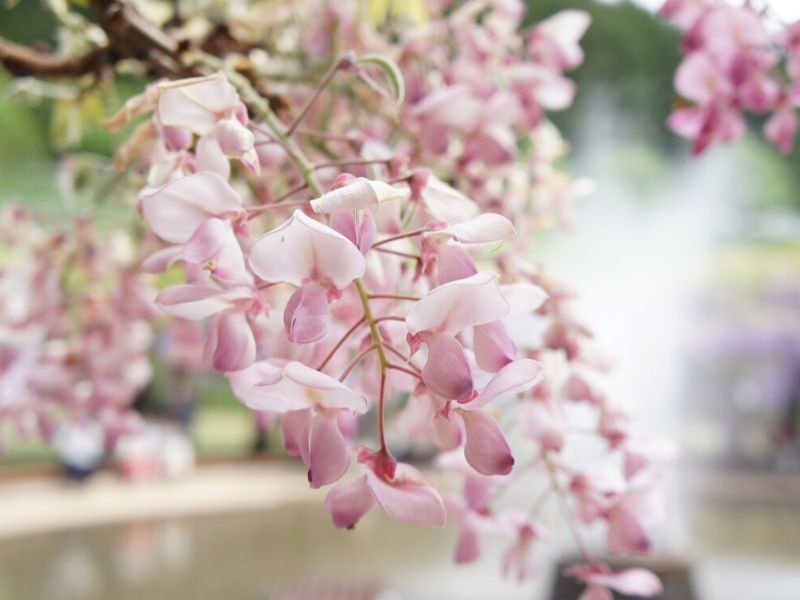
(348, 502)
(329, 455)
(296, 429)
(517, 376)
(408, 497)
(486, 448)
(235, 345)
(493, 346)
(306, 314)
(447, 371)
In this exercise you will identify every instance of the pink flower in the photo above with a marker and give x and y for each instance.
(175, 211)
(314, 257)
(211, 108)
(231, 345)
(310, 402)
(445, 311)
(600, 580)
(554, 42)
(399, 489)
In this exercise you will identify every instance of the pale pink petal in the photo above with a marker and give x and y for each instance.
(468, 545)
(781, 129)
(493, 346)
(487, 228)
(196, 302)
(359, 194)
(409, 497)
(235, 344)
(329, 455)
(517, 376)
(453, 263)
(196, 103)
(359, 227)
(349, 502)
(210, 157)
(243, 383)
(300, 386)
(296, 430)
(303, 248)
(161, 260)
(306, 315)
(454, 306)
(565, 29)
(523, 298)
(486, 448)
(447, 371)
(626, 534)
(207, 241)
(631, 582)
(447, 204)
(447, 433)
(176, 210)
(700, 79)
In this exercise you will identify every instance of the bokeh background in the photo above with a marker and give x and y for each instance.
(688, 269)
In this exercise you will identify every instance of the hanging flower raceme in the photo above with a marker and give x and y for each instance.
(383, 280)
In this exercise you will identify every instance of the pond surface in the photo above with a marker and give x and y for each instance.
(290, 553)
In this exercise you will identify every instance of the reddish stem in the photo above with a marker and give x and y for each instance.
(355, 361)
(397, 253)
(400, 236)
(404, 370)
(338, 345)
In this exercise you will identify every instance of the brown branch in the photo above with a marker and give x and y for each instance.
(23, 61)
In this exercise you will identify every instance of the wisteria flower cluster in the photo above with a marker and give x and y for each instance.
(738, 60)
(75, 318)
(350, 199)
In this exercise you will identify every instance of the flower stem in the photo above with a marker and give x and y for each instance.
(364, 295)
(355, 361)
(338, 345)
(400, 236)
(326, 79)
(587, 554)
(393, 297)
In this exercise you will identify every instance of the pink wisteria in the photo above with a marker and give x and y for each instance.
(354, 241)
(737, 61)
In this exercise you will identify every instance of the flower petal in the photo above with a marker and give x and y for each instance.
(518, 376)
(329, 455)
(195, 302)
(235, 346)
(486, 448)
(408, 497)
(454, 306)
(176, 210)
(358, 194)
(349, 502)
(300, 386)
(303, 248)
(196, 103)
(493, 346)
(447, 371)
(306, 315)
